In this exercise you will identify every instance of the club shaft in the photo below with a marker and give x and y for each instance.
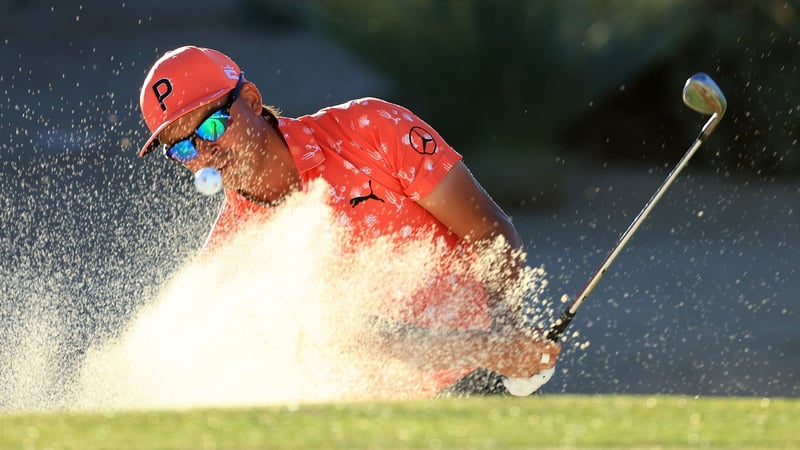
(561, 324)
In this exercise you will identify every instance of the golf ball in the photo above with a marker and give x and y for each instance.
(208, 181)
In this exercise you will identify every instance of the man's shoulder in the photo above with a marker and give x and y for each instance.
(353, 115)
(360, 106)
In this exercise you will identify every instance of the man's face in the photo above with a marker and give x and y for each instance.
(209, 123)
(246, 153)
(227, 148)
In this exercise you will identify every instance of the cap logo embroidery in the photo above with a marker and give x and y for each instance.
(161, 96)
(231, 72)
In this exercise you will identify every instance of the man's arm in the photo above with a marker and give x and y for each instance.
(511, 353)
(463, 205)
(460, 203)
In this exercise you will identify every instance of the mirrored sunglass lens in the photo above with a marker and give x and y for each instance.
(212, 128)
(183, 151)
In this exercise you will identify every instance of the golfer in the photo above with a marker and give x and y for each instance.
(389, 174)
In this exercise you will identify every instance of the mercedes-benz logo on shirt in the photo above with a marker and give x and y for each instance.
(422, 141)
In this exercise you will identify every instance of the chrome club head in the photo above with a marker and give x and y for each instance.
(703, 95)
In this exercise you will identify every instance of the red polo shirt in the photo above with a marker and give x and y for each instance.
(378, 159)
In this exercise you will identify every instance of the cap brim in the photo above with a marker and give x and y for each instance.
(152, 142)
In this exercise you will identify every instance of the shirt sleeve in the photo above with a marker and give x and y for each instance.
(415, 154)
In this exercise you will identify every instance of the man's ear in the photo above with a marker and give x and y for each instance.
(251, 96)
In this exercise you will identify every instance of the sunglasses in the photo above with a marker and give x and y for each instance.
(210, 129)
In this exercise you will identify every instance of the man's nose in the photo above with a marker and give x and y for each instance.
(206, 155)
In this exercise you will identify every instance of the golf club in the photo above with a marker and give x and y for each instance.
(701, 94)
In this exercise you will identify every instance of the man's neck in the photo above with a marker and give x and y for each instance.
(281, 176)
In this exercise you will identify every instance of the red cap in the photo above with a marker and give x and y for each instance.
(181, 81)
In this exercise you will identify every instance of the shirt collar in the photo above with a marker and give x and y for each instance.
(303, 146)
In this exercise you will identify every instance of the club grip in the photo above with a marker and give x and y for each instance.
(561, 324)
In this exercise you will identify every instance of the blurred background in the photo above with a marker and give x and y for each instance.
(569, 113)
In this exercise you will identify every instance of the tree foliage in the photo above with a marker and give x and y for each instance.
(534, 74)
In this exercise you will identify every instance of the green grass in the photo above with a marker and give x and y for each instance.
(496, 422)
